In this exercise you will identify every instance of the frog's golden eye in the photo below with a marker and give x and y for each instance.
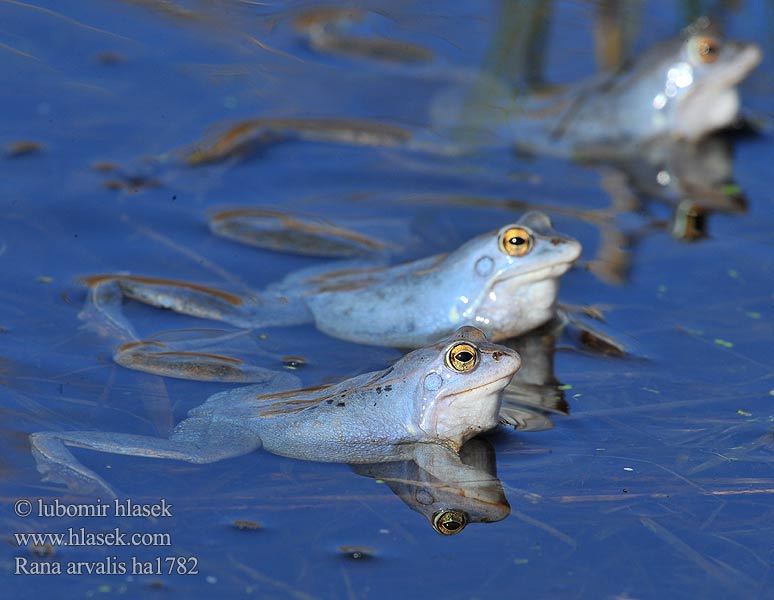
(516, 241)
(707, 48)
(449, 521)
(462, 357)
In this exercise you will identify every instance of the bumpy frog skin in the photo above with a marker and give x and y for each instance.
(446, 394)
(504, 282)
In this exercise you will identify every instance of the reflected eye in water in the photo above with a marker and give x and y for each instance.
(707, 48)
(462, 357)
(449, 521)
(516, 241)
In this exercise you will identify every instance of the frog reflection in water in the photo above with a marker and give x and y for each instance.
(451, 490)
(442, 395)
(504, 282)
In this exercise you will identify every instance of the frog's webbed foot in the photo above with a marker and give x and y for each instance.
(587, 328)
(58, 465)
(104, 304)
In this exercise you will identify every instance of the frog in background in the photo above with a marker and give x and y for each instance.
(684, 88)
(681, 89)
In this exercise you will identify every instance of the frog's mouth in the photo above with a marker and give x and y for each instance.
(539, 274)
(490, 387)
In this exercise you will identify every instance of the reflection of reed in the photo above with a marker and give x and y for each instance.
(615, 27)
(517, 55)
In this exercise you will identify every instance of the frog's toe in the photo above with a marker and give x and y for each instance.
(77, 478)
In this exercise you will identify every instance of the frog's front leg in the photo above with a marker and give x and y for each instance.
(197, 440)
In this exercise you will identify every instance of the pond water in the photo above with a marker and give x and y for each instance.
(659, 481)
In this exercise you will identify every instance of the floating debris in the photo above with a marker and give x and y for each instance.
(104, 166)
(293, 362)
(131, 183)
(22, 148)
(247, 525)
(109, 58)
(42, 550)
(357, 552)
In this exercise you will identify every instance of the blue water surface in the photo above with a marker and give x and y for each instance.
(659, 484)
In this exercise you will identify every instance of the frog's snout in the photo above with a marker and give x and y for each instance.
(570, 247)
(508, 360)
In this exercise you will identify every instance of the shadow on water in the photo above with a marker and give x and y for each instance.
(627, 476)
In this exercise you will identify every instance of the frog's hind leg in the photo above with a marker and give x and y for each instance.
(185, 360)
(270, 308)
(197, 440)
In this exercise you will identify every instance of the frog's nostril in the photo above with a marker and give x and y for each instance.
(497, 355)
(557, 241)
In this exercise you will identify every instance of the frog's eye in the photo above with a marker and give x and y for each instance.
(462, 357)
(516, 241)
(707, 49)
(449, 521)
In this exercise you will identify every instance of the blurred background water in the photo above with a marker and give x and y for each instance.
(658, 484)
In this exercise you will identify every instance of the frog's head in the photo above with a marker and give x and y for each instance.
(459, 384)
(695, 81)
(512, 276)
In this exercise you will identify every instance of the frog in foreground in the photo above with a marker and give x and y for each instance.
(504, 282)
(442, 394)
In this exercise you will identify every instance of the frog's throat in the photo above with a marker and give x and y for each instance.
(525, 278)
(467, 422)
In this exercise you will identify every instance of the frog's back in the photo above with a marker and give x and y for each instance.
(410, 303)
(359, 420)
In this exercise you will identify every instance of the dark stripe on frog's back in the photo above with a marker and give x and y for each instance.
(350, 285)
(328, 282)
(288, 407)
